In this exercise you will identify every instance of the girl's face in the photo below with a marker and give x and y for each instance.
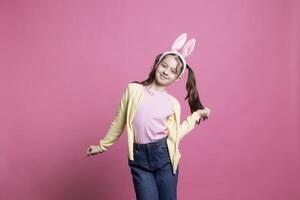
(167, 71)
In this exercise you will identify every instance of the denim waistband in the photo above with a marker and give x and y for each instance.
(155, 144)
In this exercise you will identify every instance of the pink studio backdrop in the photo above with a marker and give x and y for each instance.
(65, 64)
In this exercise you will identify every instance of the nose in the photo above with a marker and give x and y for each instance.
(165, 73)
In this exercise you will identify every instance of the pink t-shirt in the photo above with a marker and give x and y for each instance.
(149, 122)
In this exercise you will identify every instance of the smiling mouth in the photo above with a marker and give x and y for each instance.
(163, 77)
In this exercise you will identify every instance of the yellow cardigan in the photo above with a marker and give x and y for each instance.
(131, 98)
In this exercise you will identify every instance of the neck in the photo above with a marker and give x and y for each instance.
(159, 88)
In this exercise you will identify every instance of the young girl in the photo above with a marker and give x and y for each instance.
(152, 118)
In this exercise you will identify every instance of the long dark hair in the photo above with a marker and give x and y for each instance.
(191, 86)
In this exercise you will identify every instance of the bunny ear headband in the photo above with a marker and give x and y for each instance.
(186, 49)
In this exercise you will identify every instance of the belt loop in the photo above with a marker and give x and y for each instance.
(157, 143)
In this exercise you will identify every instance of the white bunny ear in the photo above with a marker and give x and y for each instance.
(188, 47)
(178, 43)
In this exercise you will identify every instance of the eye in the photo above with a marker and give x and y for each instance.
(174, 71)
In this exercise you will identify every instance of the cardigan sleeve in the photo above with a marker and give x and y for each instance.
(188, 124)
(118, 124)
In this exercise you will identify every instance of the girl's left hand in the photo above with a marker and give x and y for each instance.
(204, 112)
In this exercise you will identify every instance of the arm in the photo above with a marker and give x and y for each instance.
(117, 126)
(188, 124)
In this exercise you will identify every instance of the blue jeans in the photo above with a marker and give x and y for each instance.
(151, 171)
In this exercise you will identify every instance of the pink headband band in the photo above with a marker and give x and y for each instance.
(186, 49)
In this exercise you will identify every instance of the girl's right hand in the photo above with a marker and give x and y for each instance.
(93, 150)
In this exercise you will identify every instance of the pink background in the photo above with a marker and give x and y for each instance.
(65, 64)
